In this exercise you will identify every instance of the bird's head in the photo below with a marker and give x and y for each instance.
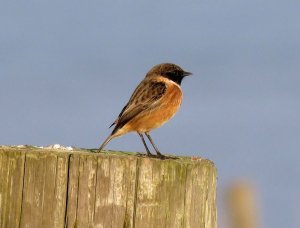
(170, 71)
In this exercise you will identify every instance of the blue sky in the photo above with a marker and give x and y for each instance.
(67, 69)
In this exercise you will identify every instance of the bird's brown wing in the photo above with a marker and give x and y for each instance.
(144, 98)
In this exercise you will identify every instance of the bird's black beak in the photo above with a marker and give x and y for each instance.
(186, 74)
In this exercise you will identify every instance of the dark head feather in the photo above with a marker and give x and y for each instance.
(170, 71)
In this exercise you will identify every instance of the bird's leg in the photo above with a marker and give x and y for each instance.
(154, 146)
(105, 143)
(144, 142)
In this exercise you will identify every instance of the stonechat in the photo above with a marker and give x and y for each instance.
(156, 100)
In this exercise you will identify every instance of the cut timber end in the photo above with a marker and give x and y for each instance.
(56, 188)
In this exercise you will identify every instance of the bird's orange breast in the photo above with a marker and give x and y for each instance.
(165, 109)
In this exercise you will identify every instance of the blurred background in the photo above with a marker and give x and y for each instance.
(67, 68)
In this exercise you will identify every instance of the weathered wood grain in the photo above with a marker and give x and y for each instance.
(44, 191)
(55, 188)
(11, 186)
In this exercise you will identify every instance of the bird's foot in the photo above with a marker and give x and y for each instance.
(163, 157)
(160, 156)
(145, 155)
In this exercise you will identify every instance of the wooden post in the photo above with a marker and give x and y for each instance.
(58, 188)
(242, 206)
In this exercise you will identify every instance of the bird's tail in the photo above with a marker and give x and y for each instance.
(105, 142)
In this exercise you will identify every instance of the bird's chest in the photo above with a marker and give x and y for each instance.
(171, 101)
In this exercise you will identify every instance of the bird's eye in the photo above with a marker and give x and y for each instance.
(172, 74)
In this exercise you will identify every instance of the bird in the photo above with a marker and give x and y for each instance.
(154, 101)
